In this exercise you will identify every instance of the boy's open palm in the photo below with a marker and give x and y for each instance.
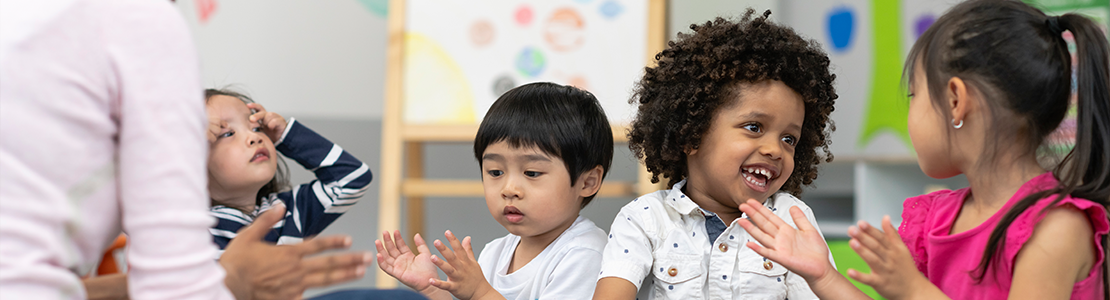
(412, 269)
(801, 250)
(464, 276)
(273, 124)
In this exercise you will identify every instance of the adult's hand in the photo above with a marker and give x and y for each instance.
(261, 270)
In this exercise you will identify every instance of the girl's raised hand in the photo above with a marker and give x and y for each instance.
(893, 272)
(801, 250)
(464, 276)
(272, 123)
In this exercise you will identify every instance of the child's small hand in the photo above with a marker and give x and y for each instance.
(412, 269)
(893, 273)
(273, 124)
(801, 250)
(464, 276)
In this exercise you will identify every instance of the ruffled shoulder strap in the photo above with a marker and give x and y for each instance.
(1022, 228)
(915, 215)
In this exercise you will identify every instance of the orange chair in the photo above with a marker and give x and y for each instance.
(108, 263)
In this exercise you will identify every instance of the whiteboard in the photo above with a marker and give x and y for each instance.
(459, 56)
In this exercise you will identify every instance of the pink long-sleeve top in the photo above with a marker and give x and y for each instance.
(101, 130)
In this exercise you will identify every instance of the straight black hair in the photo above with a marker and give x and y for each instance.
(280, 182)
(1015, 57)
(562, 121)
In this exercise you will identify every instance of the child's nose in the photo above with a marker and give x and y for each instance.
(511, 189)
(253, 139)
(772, 149)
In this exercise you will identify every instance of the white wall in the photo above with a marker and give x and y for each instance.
(321, 59)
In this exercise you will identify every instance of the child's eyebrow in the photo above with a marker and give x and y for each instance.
(528, 157)
(536, 157)
(492, 156)
(756, 115)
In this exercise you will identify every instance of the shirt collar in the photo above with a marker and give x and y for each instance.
(683, 205)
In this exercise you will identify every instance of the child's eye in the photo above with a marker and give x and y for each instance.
(753, 127)
(256, 129)
(790, 140)
(226, 134)
(494, 173)
(532, 173)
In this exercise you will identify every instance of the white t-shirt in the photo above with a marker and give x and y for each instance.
(563, 270)
(660, 243)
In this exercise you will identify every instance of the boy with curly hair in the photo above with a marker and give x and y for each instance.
(735, 111)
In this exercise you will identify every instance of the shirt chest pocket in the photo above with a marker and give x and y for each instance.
(677, 276)
(760, 279)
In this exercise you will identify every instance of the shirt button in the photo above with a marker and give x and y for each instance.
(767, 265)
(672, 272)
(723, 247)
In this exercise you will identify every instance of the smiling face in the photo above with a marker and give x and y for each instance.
(748, 150)
(241, 158)
(529, 192)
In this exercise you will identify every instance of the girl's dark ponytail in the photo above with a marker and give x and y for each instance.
(1085, 172)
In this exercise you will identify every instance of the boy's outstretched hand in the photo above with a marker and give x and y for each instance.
(272, 123)
(464, 276)
(412, 269)
(802, 251)
(893, 272)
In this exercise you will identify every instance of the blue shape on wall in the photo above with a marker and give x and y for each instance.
(530, 62)
(841, 28)
(610, 9)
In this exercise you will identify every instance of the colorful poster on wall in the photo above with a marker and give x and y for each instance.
(459, 56)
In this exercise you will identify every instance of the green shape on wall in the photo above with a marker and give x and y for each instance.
(887, 107)
(378, 7)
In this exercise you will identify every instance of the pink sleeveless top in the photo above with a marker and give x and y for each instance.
(949, 261)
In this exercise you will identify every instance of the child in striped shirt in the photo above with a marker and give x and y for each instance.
(246, 177)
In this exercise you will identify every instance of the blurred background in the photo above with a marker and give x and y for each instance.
(325, 63)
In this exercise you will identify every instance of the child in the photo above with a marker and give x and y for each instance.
(543, 149)
(988, 82)
(245, 179)
(734, 111)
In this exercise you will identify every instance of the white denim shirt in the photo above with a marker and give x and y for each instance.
(661, 239)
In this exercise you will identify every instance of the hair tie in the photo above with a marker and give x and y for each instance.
(1053, 23)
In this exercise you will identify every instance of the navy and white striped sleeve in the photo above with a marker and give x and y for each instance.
(341, 179)
(228, 223)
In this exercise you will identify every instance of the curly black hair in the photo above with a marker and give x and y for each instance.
(699, 72)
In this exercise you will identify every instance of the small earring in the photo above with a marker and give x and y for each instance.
(957, 125)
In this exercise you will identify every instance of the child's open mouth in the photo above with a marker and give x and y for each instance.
(758, 176)
(513, 214)
(261, 155)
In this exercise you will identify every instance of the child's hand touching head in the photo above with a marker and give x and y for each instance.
(272, 123)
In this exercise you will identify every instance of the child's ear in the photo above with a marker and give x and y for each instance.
(590, 181)
(959, 100)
